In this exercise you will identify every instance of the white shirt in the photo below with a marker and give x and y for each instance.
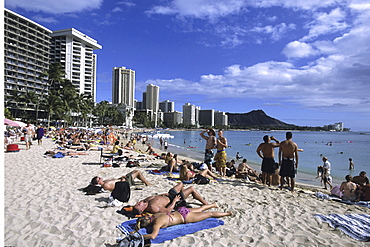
(327, 166)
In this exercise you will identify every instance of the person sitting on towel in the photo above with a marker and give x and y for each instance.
(182, 215)
(186, 174)
(348, 189)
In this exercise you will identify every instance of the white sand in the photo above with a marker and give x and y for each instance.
(44, 207)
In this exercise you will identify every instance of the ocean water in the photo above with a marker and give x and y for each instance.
(337, 146)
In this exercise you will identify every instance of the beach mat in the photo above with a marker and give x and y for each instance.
(357, 226)
(321, 195)
(173, 231)
(159, 172)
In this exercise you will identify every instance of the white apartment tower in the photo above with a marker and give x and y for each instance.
(221, 118)
(123, 86)
(167, 106)
(152, 98)
(26, 57)
(189, 114)
(74, 50)
(207, 118)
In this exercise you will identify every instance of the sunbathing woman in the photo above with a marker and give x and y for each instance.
(183, 215)
(171, 161)
(186, 174)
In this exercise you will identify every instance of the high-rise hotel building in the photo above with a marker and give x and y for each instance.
(29, 48)
(75, 51)
(190, 114)
(26, 56)
(123, 86)
(152, 98)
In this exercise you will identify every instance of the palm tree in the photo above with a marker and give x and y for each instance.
(87, 108)
(30, 98)
(53, 104)
(101, 111)
(55, 75)
(15, 97)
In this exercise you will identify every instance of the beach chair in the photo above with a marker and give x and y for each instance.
(104, 155)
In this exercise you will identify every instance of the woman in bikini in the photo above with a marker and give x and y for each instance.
(183, 215)
(186, 174)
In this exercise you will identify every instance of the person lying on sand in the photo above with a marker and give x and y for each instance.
(65, 152)
(182, 215)
(109, 184)
(166, 202)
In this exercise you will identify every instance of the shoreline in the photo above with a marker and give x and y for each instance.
(304, 180)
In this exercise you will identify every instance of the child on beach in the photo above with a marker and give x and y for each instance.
(320, 171)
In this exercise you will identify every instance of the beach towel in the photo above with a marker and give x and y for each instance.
(173, 231)
(159, 172)
(357, 226)
(58, 155)
(334, 198)
(184, 182)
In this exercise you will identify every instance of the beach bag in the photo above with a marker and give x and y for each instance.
(132, 163)
(121, 191)
(132, 240)
(200, 179)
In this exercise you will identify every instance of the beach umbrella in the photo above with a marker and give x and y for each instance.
(10, 122)
(21, 124)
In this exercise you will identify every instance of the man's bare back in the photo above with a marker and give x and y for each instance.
(266, 149)
(288, 149)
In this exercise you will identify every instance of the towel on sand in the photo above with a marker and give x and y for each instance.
(173, 231)
(357, 226)
(159, 172)
(321, 195)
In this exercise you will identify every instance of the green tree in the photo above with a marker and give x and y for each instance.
(13, 99)
(101, 111)
(53, 105)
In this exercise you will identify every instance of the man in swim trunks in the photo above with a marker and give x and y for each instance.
(288, 160)
(266, 152)
(109, 184)
(211, 144)
(220, 156)
(166, 202)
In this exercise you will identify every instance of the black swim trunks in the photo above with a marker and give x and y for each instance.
(173, 193)
(287, 168)
(268, 165)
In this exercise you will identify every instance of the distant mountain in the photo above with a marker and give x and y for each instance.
(256, 119)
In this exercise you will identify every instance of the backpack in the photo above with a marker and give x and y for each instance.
(200, 179)
(132, 240)
(121, 191)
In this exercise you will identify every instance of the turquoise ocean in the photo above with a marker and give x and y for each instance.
(337, 146)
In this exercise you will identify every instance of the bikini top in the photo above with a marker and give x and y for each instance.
(170, 218)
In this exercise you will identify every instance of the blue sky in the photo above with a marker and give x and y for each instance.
(302, 62)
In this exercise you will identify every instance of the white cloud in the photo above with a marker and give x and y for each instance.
(324, 23)
(203, 9)
(39, 18)
(55, 7)
(127, 3)
(277, 32)
(117, 9)
(298, 49)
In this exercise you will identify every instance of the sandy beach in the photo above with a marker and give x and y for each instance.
(43, 206)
